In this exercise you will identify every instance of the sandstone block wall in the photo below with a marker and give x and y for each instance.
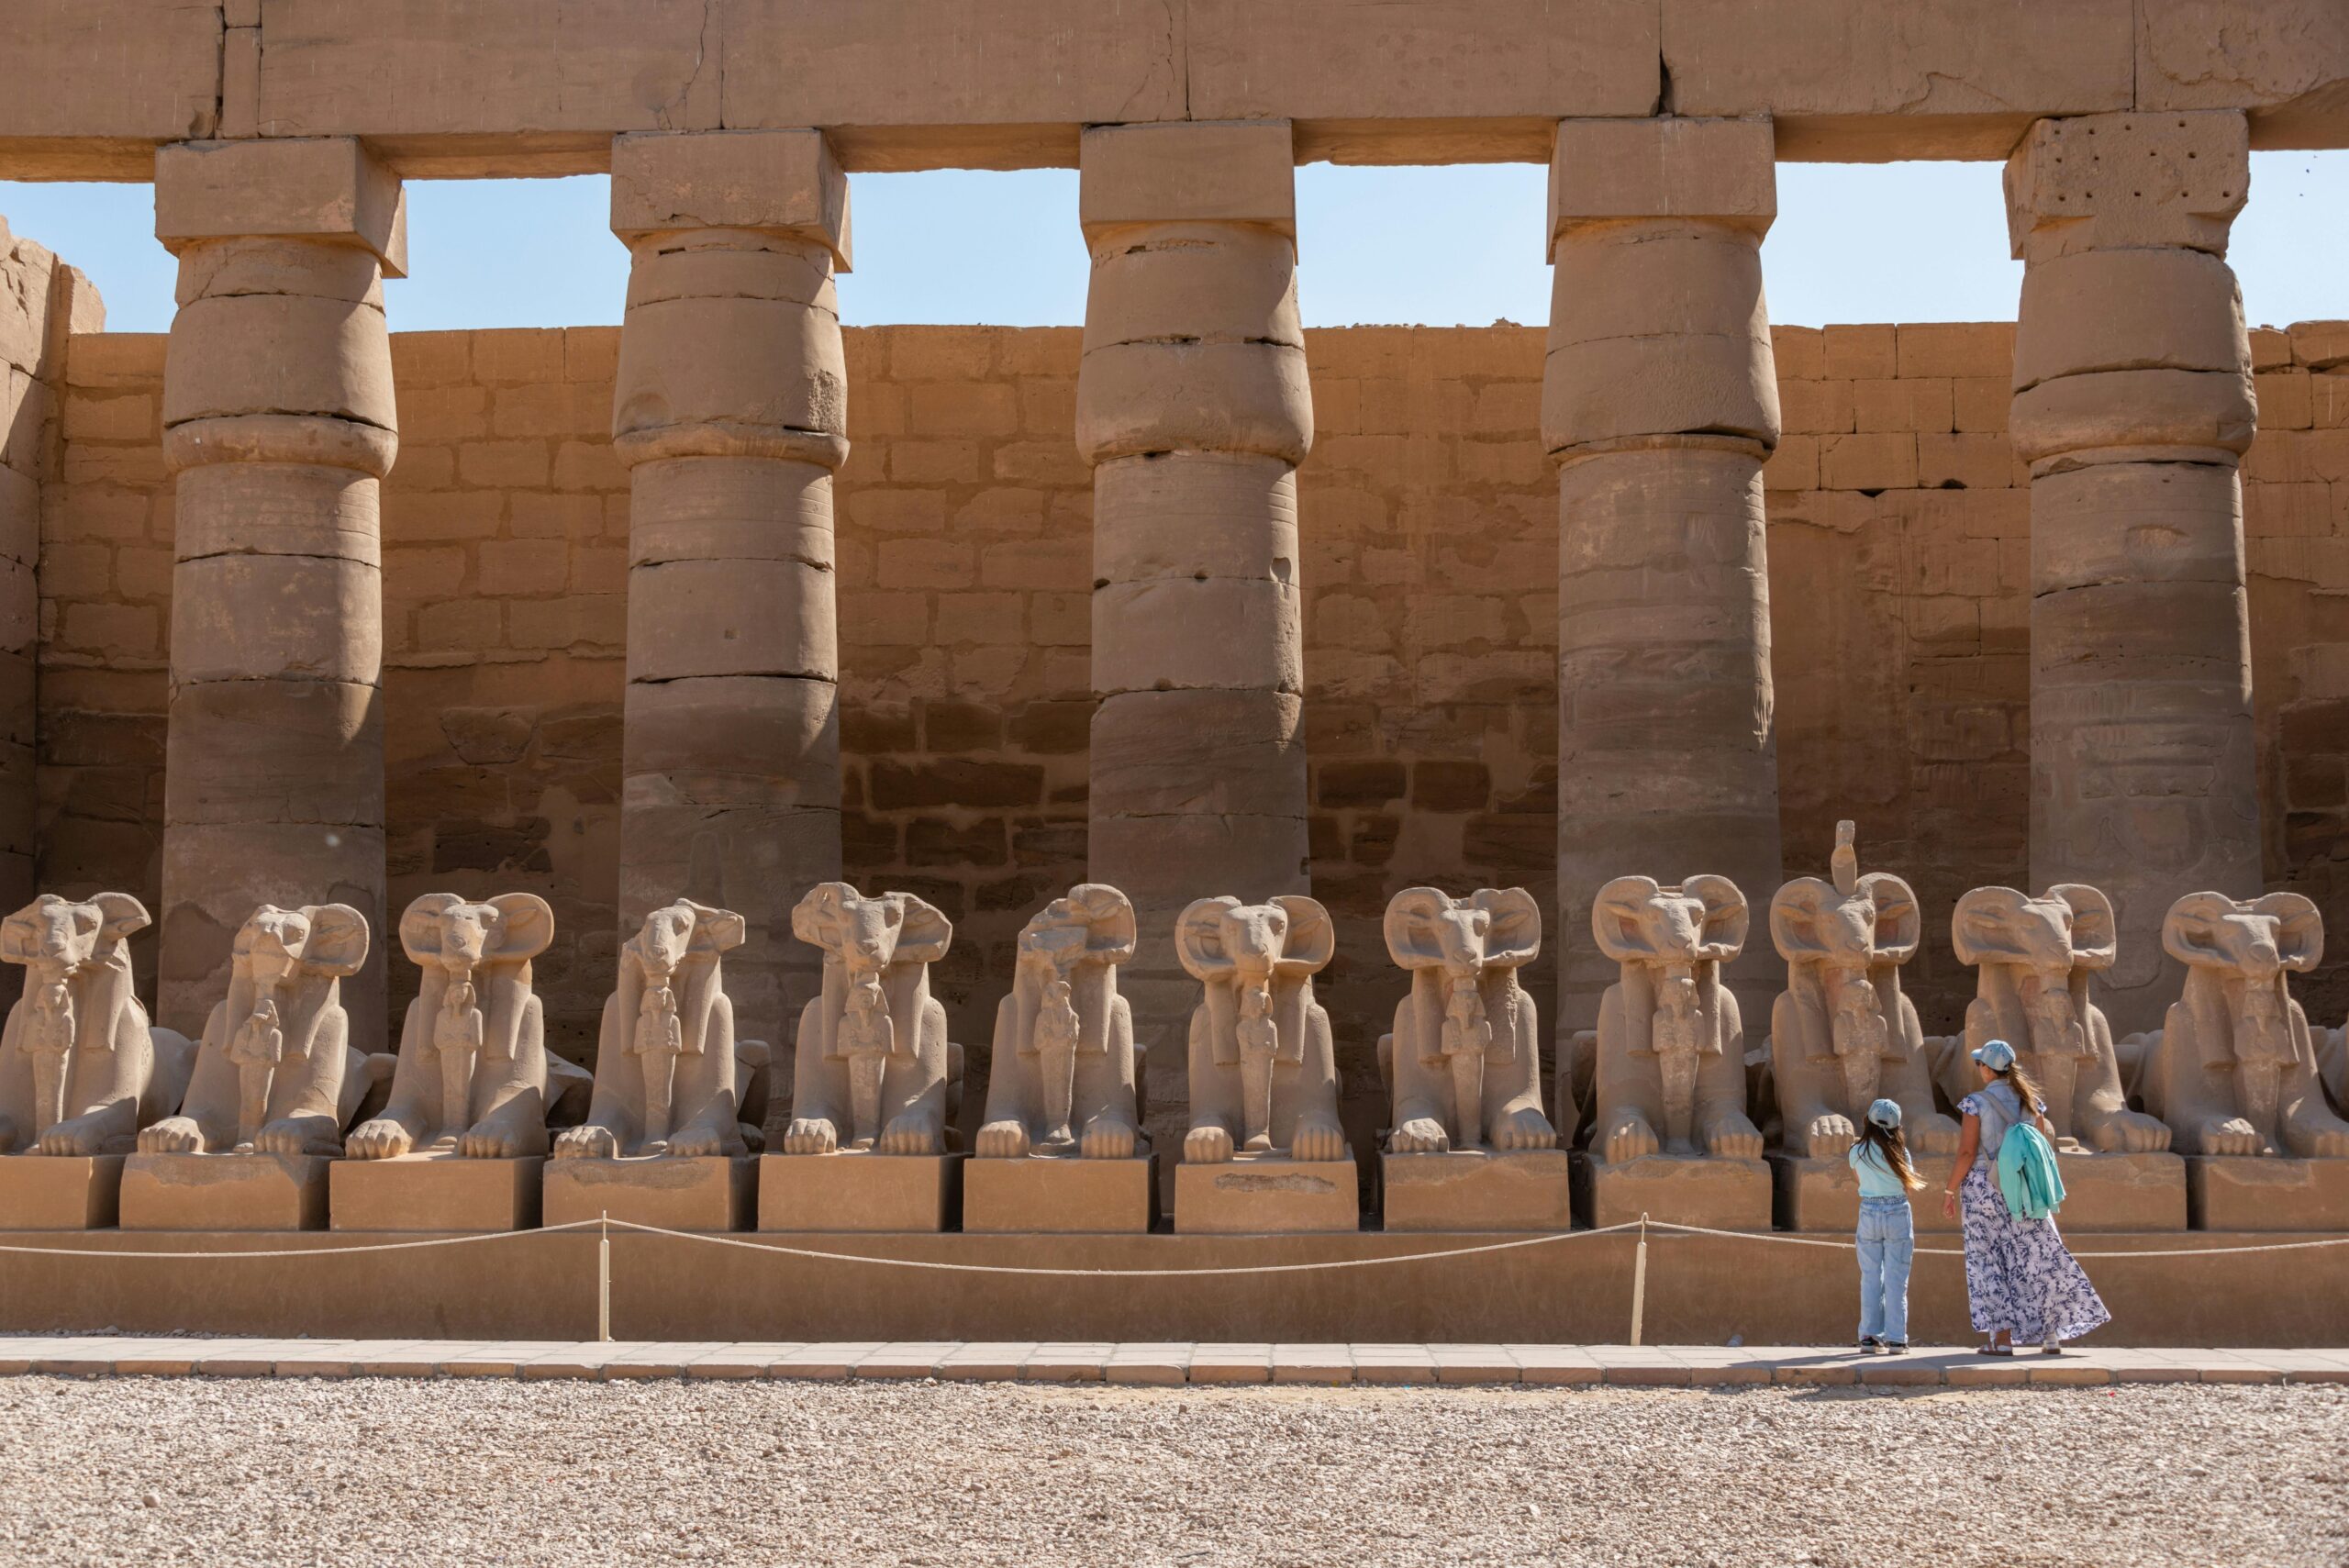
(1898, 561)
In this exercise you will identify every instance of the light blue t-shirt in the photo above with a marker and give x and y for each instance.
(1875, 1172)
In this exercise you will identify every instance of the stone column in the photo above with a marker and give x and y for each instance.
(1193, 408)
(2132, 405)
(278, 423)
(730, 416)
(1659, 404)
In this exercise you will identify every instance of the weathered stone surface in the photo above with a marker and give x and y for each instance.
(1525, 1189)
(860, 1190)
(326, 187)
(1265, 1194)
(434, 1192)
(66, 1192)
(1717, 1193)
(706, 1192)
(1263, 1070)
(114, 70)
(1062, 1078)
(245, 1192)
(784, 180)
(1463, 1063)
(872, 1071)
(1061, 1197)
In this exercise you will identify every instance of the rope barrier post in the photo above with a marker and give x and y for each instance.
(604, 1279)
(1640, 1282)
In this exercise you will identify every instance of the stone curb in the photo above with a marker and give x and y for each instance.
(1167, 1365)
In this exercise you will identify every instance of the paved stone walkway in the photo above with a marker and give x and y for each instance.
(109, 1355)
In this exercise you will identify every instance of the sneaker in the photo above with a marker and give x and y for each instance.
(1896, 1347)
(1870, 1344)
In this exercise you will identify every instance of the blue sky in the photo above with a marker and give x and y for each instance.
(1854, 243)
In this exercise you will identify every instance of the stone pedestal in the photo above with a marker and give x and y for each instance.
(1194, 408)
(1264, 1195)
(1660, 405)
(2121, 1192)
(1058, 1196)
(52, 1192)
(279, 425)
(2134, 404)
(1529, 1189)
(857, 1191)
(702, 1193)
(2259, 1193)
(225, 1192)
(1722, 1194)
(434, 1192)
(1823, 1195)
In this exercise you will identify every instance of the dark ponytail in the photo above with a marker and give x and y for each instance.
(1888, 1145)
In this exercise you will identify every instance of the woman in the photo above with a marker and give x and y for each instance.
(2021, 1280)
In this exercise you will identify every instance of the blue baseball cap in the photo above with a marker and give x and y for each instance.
(1886, 1114)
(1996, 1054)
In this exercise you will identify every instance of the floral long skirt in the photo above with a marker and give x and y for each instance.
(2019, 1275)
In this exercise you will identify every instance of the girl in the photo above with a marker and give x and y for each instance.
(1887, 1232)
(2021, 1280)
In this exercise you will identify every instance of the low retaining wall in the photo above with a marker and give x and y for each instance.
(1575, 1289)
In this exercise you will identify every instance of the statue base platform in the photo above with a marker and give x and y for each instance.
(1683, 1189)
(2264, 1193)
(2121, 1192)
(715, 1191)
(856, 1191)
(1262, 1194)
(1057, 1196)
(60, 1192)
(225, 1192)
(1478, 1189)
(1823, 1194)
(434, 1192)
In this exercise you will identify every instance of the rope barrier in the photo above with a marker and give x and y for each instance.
(226, 1255)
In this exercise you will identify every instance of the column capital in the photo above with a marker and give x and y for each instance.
(324, 187)
(1721, 171)
(1188, 171)
(786, 181)
(2128, 182)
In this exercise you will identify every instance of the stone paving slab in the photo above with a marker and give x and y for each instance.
(1158, 1363)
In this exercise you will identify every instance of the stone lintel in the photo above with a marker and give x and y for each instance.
(327, 187)
(786, 180)
(2127, 181)
(1199, 172)
(1607, 170)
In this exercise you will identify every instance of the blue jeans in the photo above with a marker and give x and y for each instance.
(1887, 1240)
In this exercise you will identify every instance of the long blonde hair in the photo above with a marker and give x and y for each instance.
(1888, 1145)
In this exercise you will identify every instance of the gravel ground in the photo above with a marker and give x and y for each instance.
(224, 1472)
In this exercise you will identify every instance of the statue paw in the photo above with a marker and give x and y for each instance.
(2142, 1134)
(1525, 1129)
(587, 1144)
(1206, 1146)
(1317, 1139)
(1936, 1134)
(2327, 1142)
(1734, 1138)
(288, 1137)
(74, 1138)
(2232, 1136)
(1108, 1138)
(912, 1133)
(489, 1142)
(810, 1135)
(697, 1143)
(1829, 1135)
(1002, 1140)
(1629, 1138)
(173, 1135)
(1420, 1135)
(382, 1139)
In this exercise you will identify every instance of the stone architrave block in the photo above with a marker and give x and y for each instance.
(1713, 1191)
(675, 1192)
(786, 181)
(60, 1192)
(1525, 1189)
(1722, 171)
(857, 1191)
(1060, 1195)
(434, 1192)
(1196, 172)
(294, 188)
(225, 1192)
(1256, 1194)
